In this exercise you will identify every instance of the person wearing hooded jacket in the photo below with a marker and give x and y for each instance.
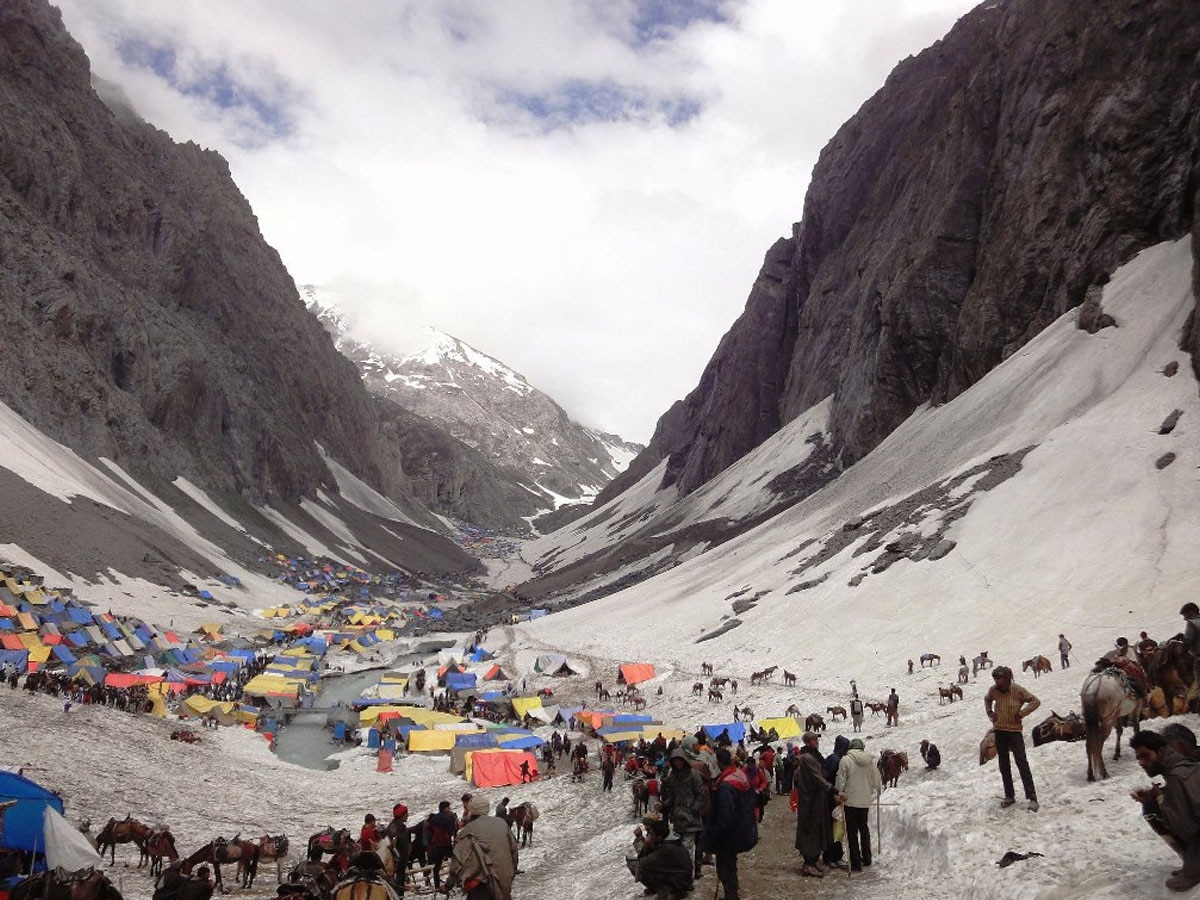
(731, 828)
(484, 857)
(859, 779)
(684, 803)
(1170, 808)
(833, 853)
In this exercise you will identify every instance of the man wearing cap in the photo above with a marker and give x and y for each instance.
(732, 827)
(683, 803)
(1007, 704)
(814, 810)
(859, 779)
(484, 857)
(663, 866)
(399, 843)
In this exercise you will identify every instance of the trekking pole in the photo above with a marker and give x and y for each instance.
(878, 825)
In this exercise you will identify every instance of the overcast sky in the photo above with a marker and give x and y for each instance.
(583, 189)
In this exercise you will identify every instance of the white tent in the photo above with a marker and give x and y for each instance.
(66, 846)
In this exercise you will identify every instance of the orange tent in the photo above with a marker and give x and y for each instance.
(497, 768)
(632, 673)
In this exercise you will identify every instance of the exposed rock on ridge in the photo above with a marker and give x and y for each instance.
(973, 200)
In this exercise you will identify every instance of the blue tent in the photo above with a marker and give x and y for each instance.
(736, 730)
(80, 615)
(476, 740)
(18, 658)
(22, 825)
(460, 681)
(522, 743)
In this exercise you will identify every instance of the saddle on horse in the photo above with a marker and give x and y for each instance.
(1130, 671)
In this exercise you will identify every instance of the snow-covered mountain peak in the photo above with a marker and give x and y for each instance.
(449, 352)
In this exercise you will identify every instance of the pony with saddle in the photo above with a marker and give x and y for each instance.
(122, 831)
(949, 693)
(1112, 694)
(1038, 664)
(931, 659)
(275, 848)
(219, 851)
(159, 844)
(86, 884)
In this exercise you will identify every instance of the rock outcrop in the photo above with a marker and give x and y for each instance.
(991, 182)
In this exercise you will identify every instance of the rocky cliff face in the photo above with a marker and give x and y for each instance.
(974, 199)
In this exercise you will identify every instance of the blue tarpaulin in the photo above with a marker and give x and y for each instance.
(64, 654)
(460, 681)
(22, 827)
(486, 739)
(82, 616)
(736, 730)
(18, 658)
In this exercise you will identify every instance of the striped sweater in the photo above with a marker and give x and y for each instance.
(1009, 707)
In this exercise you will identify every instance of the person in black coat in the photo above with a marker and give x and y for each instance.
(929, 753)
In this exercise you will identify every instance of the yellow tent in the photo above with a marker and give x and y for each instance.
(650, 732)
(786, 727)
(273, 686)
(420, 714)
(430, 741)
(39, 654)
(30, 640)
(522, 705)
(156, 692)
(616, 736)
(385, 634)
(393, 678)
(27, 622)
(211, 629)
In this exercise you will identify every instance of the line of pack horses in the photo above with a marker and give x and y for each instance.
(1117, 693)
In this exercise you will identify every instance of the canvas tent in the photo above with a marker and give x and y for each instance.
(498, 768)
(495, 673)
(635, 673)
(555, 664)
(786, 727)
(34, 823)
(737, 730)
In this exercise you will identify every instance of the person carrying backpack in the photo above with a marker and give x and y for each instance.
(484, 856)
(732, 828)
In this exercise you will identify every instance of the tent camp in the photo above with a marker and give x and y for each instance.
(555, 664)
(495, 673)
(635, 673)
(460, 681)
(34, 823)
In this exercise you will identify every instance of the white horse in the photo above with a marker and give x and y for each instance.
(1106, 699)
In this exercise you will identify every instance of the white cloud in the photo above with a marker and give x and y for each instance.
(400, 167)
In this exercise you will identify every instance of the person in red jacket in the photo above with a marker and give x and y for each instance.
(370, 835)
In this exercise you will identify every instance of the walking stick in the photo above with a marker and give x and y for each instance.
(878, 825)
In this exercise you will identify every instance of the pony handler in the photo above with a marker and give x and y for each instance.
(1007, 704)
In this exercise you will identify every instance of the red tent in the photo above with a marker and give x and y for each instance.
(497, 768)
(632, 673)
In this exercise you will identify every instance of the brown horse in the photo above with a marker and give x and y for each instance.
(698, 689)
(1058, 728)
(1170, 668)
(221, 852)
(275, 848)
(949, 693)
(814, 722)
(89, 884)
(789, 678)
(987, 747)
(1039, 664)
(1108, 698)
(640, 792)
(122, 831)
(877, 708)
(523, 817)
(891, 764)
(158, 844)
(835, 711)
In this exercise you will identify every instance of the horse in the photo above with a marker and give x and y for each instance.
(275, 848)
(599, 686)
(949, 693)
(963, 675)
(769, 671)
(1058, 728)
(160, 843)
(793, 710)
(757, 677)
(122, 831)
(891, 764)
(523, 817)
(987, 747)
(932, 658)
(835, 711)
(604, 694)
(698, 689)
(714, 695)
(1039, 664)
(719, 682)
(747, 714)
(641, 797)
(1107, 697)
(877, 708)
(980, 662)
(219, 852)
(814, 723)
(1170, 668)
(706, 668)
(87, 884)
(330, 841)
(789, 679)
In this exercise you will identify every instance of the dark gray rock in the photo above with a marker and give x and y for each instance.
(972, 201)
(1163, 461)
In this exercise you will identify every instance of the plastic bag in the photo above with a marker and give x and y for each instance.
(839, 823)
